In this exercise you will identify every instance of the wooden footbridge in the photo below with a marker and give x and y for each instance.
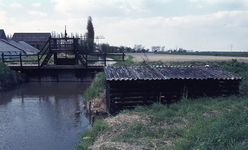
(61, 59)
(60, 53)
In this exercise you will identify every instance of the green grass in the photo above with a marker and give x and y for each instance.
(225, 126)
(29, 59)
(225, 131)
(128, 61)
(97, 86)
(204, 123)
(89, 136)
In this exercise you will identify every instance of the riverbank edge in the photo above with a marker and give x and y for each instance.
(97, 105)
(101, 128)
(10, 78)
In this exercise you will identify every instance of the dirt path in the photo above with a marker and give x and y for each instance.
(170, 57)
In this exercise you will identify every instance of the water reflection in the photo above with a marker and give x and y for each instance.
(42, 116)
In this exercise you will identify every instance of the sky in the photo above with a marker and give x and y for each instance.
(197, 25)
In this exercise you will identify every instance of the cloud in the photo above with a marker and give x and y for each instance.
(36, 4)
(75, 7)
(3, 18)
(110, 8)
(128, 22)
(15, 5)
(36, 13)
(224, 3)
(221, 18)
(216, 30)
(193, 1)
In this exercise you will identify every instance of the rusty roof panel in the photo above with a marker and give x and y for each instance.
(120, 73)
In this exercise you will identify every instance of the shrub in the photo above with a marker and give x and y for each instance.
(9, 77)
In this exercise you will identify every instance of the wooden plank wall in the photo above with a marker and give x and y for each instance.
(128, 94)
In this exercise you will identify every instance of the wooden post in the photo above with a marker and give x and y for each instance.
(90, 107)
(2, 57)
(107, 99)
(20, 59)
(49, 44)
(123, 56)
(38, 59)
(92, 119)
(86, 61)
(55, 57)
(73, 44)
(104, 59)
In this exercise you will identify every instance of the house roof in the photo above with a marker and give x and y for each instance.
(125, 73)
(2, 34)
(31, 37)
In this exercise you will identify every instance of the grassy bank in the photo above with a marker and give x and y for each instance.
(9, 78)
(98, 84)
(203, 123)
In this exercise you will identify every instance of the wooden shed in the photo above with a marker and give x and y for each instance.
(129, 86)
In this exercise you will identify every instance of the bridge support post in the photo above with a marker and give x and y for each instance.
(104, 59)
(2, 57)
(123, 55)
(86, 60)
(20, 56)
(55, 56)
(38, 60)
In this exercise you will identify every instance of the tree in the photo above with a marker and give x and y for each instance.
(138, 48)
(121, 48)
(104, 47)
(90, 35)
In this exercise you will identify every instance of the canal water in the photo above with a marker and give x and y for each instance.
(42, 116)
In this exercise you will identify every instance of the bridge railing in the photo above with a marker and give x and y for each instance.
(20, 60)
(52, 46)
(44, 51)
(80, 52)
(103, 58)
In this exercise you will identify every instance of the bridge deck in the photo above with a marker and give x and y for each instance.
(35, 66)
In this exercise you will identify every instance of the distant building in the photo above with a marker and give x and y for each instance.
(2, 34)
(37, 40)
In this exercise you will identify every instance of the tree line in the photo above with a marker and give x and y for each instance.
(87, 41)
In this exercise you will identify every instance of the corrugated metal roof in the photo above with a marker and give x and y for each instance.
(24, 46)
(17, 47)
(124, 73)
(6, 47)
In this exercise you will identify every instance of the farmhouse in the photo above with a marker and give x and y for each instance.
(129, 86)
(2, 34)
(37, 40)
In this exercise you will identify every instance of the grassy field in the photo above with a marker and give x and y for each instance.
(235, 54)
(203, 123)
